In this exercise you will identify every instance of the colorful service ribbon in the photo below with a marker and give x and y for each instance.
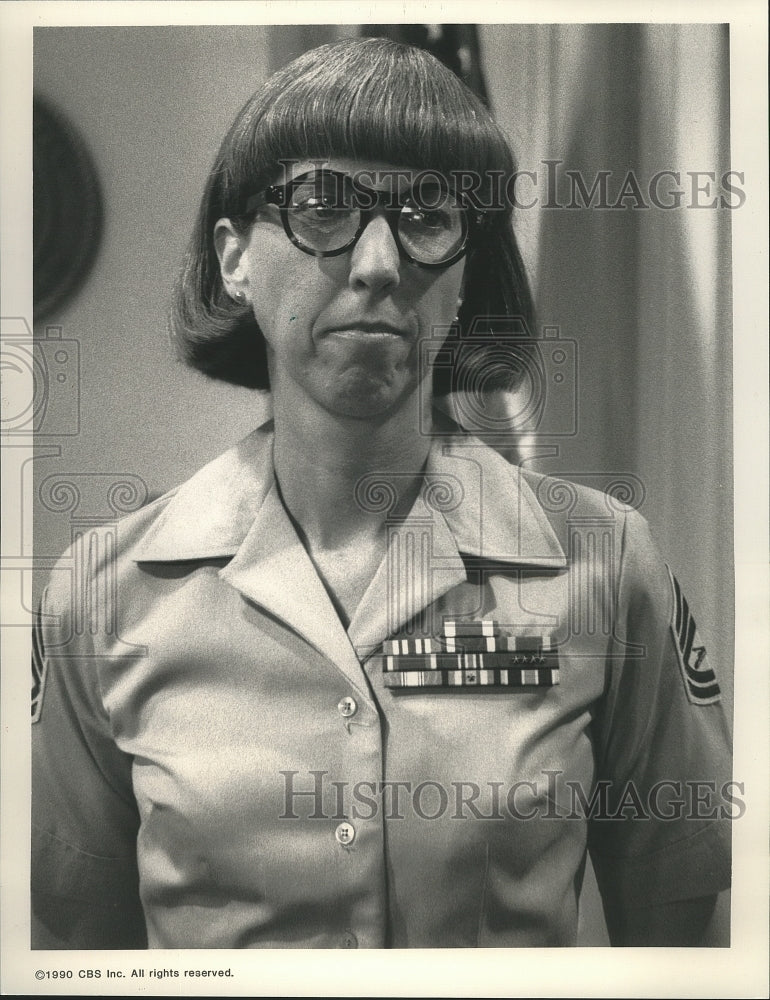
(471, 655)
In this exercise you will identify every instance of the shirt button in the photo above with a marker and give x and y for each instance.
(349, 940)
(345, 833)
(347, 706)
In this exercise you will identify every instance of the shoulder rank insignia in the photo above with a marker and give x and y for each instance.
(471, 654)
(38, 670)
(700, 681)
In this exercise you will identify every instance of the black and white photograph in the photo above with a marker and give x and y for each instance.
(384, 435)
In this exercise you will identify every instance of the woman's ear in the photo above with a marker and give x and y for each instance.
(230, 247)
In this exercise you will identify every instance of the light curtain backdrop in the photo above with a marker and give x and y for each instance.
(645, 294)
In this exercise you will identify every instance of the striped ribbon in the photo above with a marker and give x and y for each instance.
(471, 655)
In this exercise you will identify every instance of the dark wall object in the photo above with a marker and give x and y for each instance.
(456, 45)
(67, 209)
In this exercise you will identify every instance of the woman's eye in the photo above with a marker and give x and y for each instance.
(428, 218)
(312, 204)
(323, 208)
(320, 208)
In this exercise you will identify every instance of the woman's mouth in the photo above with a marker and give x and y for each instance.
(368, 330)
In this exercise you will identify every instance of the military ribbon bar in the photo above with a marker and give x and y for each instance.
(542, 677)
(485, 627)
(471, 655)
(470, 661)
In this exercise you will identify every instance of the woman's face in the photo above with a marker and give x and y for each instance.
(344, 331)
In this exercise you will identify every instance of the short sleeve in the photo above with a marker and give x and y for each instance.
(663, 745)
(84, 818)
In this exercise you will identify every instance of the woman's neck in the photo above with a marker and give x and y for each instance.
(321, 461)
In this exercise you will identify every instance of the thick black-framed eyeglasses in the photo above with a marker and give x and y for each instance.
(324, 213)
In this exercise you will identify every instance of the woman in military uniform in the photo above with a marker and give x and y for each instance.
(369, 684)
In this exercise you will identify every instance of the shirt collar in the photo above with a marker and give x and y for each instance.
(493, 512)
(209, 515)
(487, 505)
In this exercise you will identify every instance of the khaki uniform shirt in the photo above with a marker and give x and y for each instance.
(218, 763)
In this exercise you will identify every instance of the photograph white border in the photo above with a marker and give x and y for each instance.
(737, 972)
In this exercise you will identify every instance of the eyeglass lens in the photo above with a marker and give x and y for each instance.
(324, 214)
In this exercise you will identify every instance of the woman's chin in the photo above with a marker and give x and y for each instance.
(363, 395)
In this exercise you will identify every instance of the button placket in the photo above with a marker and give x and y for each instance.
(347, 706)
(345, 834)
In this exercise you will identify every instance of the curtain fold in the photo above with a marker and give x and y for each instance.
(643, 291)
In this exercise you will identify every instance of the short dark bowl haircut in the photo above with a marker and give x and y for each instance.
(366, 99)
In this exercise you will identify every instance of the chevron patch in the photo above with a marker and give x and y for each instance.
(38, 670)
(700, 682)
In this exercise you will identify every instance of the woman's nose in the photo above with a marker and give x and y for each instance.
(375, 262)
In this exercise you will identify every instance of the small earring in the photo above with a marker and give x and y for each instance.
(239, 297)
